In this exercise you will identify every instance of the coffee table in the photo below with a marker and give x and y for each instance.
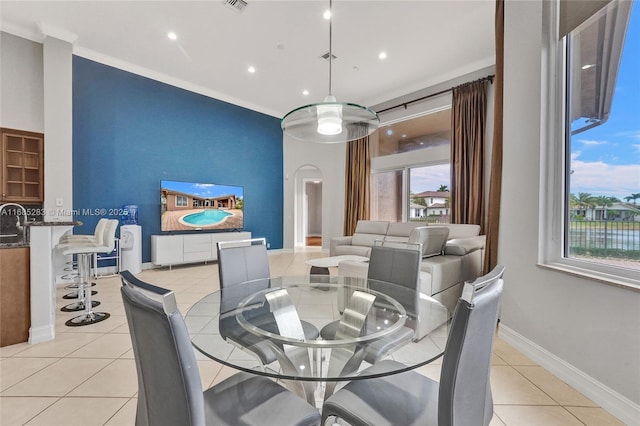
(321, 265)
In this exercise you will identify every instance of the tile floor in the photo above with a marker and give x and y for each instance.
(86, 375)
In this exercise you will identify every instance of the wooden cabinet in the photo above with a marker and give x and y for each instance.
(15, 301)
(22, 172)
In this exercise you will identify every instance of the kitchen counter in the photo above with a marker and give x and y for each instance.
(25, 242)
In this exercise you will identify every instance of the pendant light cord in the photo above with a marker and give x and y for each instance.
(330, 41)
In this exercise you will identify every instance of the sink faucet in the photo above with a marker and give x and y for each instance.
(18, 226)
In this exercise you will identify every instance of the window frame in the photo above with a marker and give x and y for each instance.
(555, 163)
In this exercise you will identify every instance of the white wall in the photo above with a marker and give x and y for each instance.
(329, 159)
(21, 84)
(586, 332)
(58, 129)
(36, 95)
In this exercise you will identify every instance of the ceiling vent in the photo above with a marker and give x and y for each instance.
(325, 56)
(237, 5)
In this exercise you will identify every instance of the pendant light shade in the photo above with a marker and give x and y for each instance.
(330, 121)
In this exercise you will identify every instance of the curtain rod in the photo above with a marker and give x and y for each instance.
(406, 104)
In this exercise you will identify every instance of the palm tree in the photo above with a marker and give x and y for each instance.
(584, 201)
(443, 188)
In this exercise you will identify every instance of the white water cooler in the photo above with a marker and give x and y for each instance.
(131, 248)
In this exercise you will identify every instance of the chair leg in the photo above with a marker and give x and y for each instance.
(88, 316)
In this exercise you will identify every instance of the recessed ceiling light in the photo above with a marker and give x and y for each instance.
(404, 136)
(251, 69)
(172, 35)
(382, 55)
(305, 92)
(327, 14)
(586, 67)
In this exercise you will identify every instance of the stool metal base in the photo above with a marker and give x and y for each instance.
(87, 319)
(78, 306)
(74, 294)
(75, 285)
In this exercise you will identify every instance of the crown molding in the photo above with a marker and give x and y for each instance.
(58, 33)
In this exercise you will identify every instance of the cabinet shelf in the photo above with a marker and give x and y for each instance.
(22, 166)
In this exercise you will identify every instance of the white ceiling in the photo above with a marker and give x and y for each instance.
(426, 41)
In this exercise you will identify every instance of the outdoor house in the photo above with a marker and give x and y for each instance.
(174, 200)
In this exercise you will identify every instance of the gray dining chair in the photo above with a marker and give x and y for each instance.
(242, 261)
(239, 262)
(463, 395)
(399, 266)
(169, 386)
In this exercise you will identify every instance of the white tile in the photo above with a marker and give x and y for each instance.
(19, 410)
(57, 379)
(78, 411)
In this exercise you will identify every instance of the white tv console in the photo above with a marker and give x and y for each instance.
(168, 250)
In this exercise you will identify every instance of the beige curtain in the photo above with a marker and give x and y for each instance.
(357, 187)
(467, 152)
(495, 184)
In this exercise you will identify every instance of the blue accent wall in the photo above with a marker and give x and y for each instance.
(129, 132)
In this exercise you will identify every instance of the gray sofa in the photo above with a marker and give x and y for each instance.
(452, 253)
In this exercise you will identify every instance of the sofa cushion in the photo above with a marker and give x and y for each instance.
(445, 271)
(401, 229)
(355, 250)
(368, 231)
(462, 230)
(432, 238)
(365, 240)
(462, 246)
(372, 227)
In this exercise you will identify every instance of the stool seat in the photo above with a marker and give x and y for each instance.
(95, 238)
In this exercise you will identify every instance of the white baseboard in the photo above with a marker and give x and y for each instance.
(618, 405)
(41, 334)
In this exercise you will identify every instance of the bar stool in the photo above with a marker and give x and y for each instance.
(84, 250)
(96, 238)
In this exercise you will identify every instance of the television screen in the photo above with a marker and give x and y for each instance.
(191, 206)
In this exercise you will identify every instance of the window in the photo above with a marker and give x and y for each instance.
(410, 169)
(598, 227)
(429, 196)
(181, 201)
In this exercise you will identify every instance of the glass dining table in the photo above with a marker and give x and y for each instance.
(289, 328)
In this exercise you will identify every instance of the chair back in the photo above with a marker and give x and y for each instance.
(399, 266)
(109, 235)
(98, 233)
(465, 391)
(240, 261)
(169, 386)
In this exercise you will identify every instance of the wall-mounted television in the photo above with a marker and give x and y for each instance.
(193, 206)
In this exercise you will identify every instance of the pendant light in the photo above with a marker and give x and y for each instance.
(330, 121)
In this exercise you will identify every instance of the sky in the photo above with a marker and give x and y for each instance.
(430, 178)
(606, 159)
(204, 190)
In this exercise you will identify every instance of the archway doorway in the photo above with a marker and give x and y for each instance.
(308, 206)
(313, 194)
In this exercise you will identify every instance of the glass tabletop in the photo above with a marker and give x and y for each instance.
(275, 327)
